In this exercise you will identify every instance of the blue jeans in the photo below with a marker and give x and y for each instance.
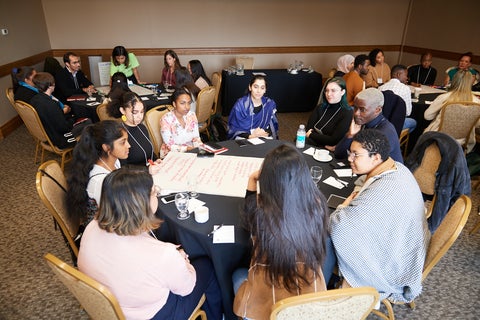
(178, 307)
(410, 123)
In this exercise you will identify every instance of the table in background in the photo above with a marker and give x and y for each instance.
(226, 257)
(82, 109)
(418, 110)
(291, 92)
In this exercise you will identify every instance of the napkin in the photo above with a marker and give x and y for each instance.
(93, 104)
(343, 172)
(225, 234)
(334, 183)
(256, 141)
(310, 151)
(144, 98)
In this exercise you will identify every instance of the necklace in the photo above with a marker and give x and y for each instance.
(320, 130)
(136, 141)
(106, 165)
(418, 75)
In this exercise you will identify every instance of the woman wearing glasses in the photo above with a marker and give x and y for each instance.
(380, 232)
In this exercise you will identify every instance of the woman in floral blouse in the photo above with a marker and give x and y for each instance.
(179, 127)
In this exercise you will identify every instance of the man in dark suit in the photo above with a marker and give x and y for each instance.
(71, 80)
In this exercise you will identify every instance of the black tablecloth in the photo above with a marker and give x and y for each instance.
(418, 110)
(291, 92)
(229, 256)
(81, 109)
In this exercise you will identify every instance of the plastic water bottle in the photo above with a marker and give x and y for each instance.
(301, 136)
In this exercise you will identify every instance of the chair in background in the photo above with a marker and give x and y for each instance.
(403, 140)
(349, 303)
(426, 173)
(10, 96)
(205, 100)
(52, 190)
(458, 119)
(94, 297)
(103, 114)
(51, 66)
(446, 234)
(34, 125)
(217, 83)
(152, 121)
(246, 61)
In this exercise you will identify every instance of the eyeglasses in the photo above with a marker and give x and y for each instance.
(353, 155)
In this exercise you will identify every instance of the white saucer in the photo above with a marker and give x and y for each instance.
(326, 159)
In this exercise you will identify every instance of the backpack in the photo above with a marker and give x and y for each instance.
(218, 128)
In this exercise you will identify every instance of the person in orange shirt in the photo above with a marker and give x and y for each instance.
(354, 79)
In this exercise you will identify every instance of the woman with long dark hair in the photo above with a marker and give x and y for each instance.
(96, 154)
(287, 218)
(125, 62)
(198, 74)
(171, 63)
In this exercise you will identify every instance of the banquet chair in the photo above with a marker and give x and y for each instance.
(103, 114)
(342, 304)
(94, 297)
(403, 140)
(247, 62)
(458, 119)
(152, 121)
(217, 83)
(446, 234)
(52, 190)
(426, 174)
(205, 100)
(34, 125)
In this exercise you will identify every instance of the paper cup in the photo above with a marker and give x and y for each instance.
(201, 214)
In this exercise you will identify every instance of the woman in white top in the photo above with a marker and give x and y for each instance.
(95, 155)
(460, 90)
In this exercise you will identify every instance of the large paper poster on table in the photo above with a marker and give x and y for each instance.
(220, 175)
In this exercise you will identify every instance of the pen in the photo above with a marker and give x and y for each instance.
(341, 181)
(215, 230)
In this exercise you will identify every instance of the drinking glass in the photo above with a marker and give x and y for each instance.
(181, 202)
(154, 88)
(166, 84)
(192, 187)
(316, 173)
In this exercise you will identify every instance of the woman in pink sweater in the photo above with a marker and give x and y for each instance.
(149, 278)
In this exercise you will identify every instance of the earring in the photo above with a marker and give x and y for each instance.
(124, 118)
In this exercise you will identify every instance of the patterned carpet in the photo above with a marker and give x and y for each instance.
(28, 289)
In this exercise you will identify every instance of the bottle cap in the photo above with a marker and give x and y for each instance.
(302, 126)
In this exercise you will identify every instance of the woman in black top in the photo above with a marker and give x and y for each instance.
(330, 120)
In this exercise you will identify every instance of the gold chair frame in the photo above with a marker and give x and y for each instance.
(94, 297)
(458, 119)
(205, 100)
(34, 125)
(152, 122)
(51, 187)
(329, 304)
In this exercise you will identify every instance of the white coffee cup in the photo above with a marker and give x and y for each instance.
(322, 154)
(416, 92)
(202, 214)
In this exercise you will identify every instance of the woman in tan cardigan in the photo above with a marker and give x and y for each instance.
(287, 217)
